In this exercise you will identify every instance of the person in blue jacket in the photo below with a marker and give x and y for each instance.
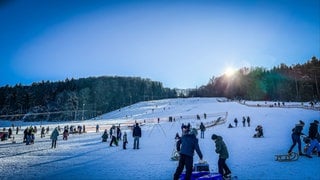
(189, 144)
(54, 137)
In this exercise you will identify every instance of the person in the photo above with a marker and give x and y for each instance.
(177, 137)
(105, 136)
(296, 133)
(65, 134)
(9, 132)
(97, 128)
(118, 133)
(259, 131)
(187, 145)
(182, 126)
(230, 125)
(222, 150)
(113, 134)
(202, 129)
(248, 121)
(235, 122)
(54, 137)
(175, 154)
(314, 143)
(244, 121)
(136, 135)
(125, 140)
(42, 132)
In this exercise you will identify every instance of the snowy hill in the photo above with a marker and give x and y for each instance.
(84, 156)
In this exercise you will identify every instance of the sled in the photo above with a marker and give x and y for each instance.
(201, 167)
(211, 176)
(231, 178)
(287, 157)
(175, 156)
(195, 175)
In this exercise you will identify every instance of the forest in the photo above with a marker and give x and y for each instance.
(86, 98)
(298, 82)
(79, 99)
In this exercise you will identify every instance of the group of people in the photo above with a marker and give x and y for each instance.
(115, 135)
(244, 121)
(188, 143)
(313, 136)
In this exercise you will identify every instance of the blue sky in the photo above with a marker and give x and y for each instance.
(179, 43)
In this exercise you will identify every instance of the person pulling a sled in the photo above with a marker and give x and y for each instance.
(314, 143)
(296, 133)
(222, 150)
(189, 144)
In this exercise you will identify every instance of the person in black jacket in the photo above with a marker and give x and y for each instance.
(136, 135)
(296, 133)
(202, 129)
(313, 134)
(187, 145)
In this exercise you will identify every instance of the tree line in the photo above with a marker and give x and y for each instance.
(86, 98)
(298, 82)
(79, 99)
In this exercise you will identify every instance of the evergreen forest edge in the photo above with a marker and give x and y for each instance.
(86, 98)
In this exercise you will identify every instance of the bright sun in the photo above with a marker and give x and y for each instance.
(229, 71)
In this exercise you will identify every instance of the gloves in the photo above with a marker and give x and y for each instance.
(202, 161)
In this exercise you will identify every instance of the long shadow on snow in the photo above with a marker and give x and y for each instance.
(67, 158)
(11, 145)
(22, 153)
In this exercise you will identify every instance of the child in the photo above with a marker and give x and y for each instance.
(105, 136)
(222, 150)
(125, 140)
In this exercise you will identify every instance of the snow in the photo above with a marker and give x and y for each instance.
(84, 156)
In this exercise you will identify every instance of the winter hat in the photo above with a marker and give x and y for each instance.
(301, 122)
(194, 131)
(213, 137)
(316, 121)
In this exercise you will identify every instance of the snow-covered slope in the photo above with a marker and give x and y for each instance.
(84, 156)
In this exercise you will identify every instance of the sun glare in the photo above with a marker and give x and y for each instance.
(229, 71)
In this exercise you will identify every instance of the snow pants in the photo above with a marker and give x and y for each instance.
(296, 139)
(54, 143)
(222, 166)
(313, 144)
(113, 140)
(184, 161)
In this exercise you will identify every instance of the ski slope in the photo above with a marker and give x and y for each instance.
(84, 156)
